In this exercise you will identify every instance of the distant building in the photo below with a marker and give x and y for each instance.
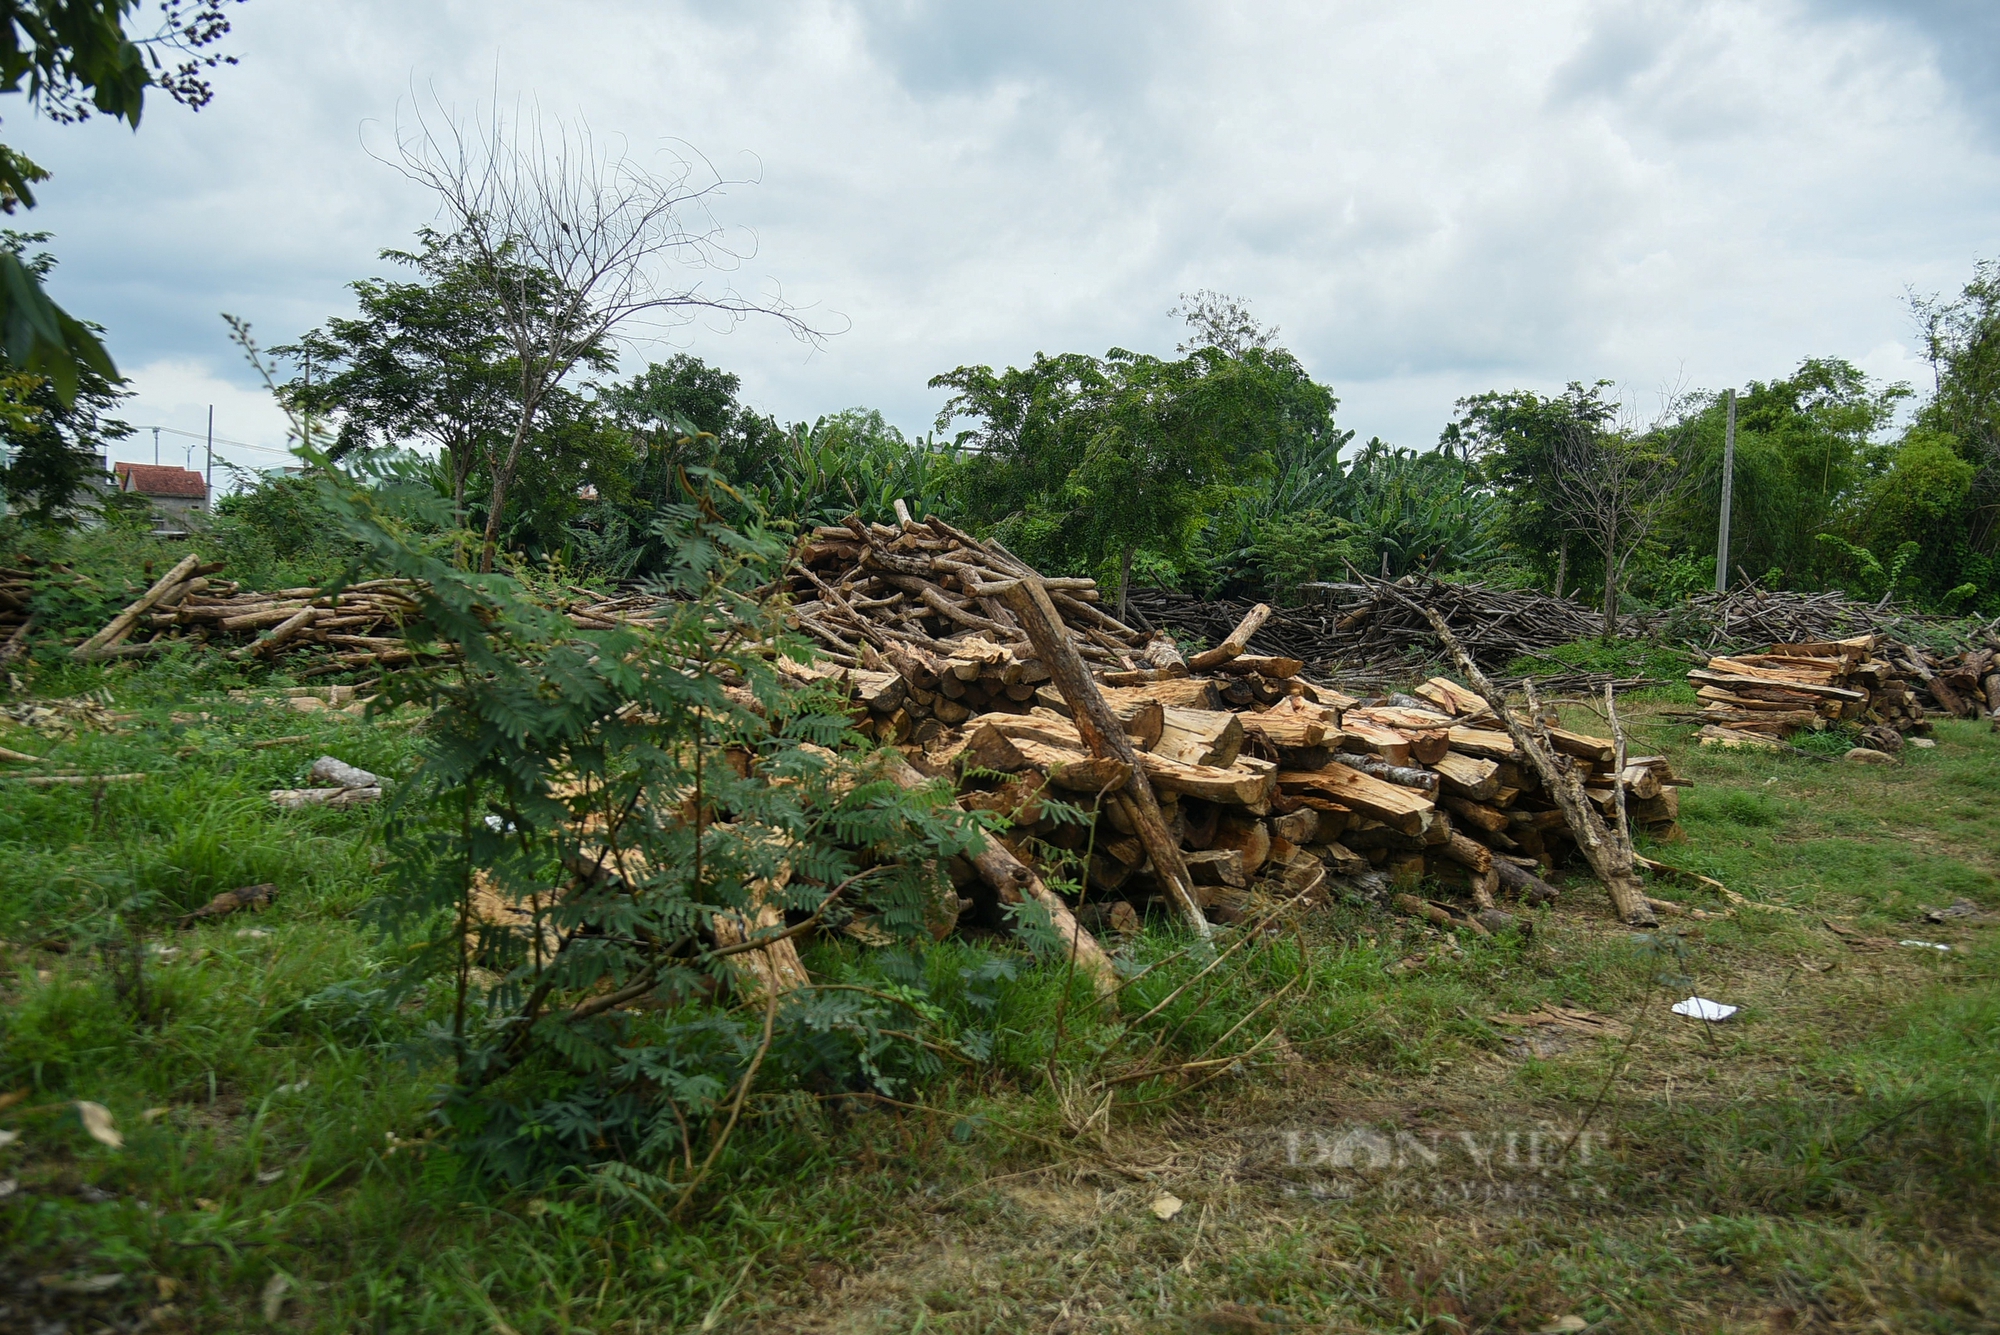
(175, 493)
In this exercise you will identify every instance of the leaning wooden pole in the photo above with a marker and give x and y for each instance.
(1029, 602)
(1609, 852)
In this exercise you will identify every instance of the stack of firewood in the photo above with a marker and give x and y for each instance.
(1266, 784)
(359, 627)
(1750, 699)
(903, 609)
(1271, 800)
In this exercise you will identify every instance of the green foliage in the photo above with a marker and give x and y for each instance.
(1419, 512)
(854, 462)
(431, 363)
(582, 779)
(1805, 451)
(54, 440)
(76, 56)
(1962, 341)
(1515, 438)
(1620, 658)
(1079, 463)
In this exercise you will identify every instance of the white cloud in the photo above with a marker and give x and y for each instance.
(176, 396)
(1432, 199)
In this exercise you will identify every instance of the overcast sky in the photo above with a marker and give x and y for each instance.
(1430, 198)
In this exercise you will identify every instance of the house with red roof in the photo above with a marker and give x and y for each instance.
(174, 493)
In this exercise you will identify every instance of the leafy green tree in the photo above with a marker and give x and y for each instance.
(621, 792)
(431, 362)
(1411, 512)
(422, 362)
(77, 59)
(1514, 436)
(54, 444)
(1806, 449)
(1081, 463)
(684, 412)
(1962, 341)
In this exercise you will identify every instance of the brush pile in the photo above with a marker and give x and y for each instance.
(1362, 631)
(1267, 786)
(1753, 699)
(359, 627)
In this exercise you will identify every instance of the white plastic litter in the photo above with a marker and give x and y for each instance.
(1926, 945)
(1701, 1008)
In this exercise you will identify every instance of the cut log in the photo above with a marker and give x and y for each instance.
(1402, 809)
(1163, 655)
(1468, 776)
(1241, 785)
(1484, 744)
(1476, 814)
(1200, 737)
(1608, 851)
(1531, 888)
(291, 799)
(328, 770)
(1467, 853)
(1093, 713)
(1237, 641)
(1249, 839)
(1285, 728)
(1074, 771)
(122, 624)
(1218, 866)
(1450, 697)
(1278, 669)
(1375, 739)
(1301, 826)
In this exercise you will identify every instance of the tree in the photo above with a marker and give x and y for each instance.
(1805, 454)
(684, 398)
(1962, 342)
(77, 58)
(1614, 487)
(1085, 463)
(567, 241)
(1514, 437)
(423, 361)
(54, 443)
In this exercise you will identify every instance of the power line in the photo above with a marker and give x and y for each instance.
(220, 440)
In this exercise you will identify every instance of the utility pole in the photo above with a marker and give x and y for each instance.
(1728, 493)
(156, 447)
(210, 486)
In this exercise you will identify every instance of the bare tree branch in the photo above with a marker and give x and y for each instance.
(575, 242)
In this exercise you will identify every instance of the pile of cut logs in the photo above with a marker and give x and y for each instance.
(1263, 785)
(1751, 699)
(357, 628)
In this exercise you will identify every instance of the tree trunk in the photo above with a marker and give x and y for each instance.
(1611, 581)
(503, 477)
(1124, 579)
(1562, 565)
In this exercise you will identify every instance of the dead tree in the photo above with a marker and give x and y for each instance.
(1614, 488)
(573, 244)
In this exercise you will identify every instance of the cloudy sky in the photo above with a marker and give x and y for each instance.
(1430, 198)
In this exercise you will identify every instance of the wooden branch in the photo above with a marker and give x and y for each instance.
(1609, 855)
(1236, 643)
(121, 625)
(1105, 736)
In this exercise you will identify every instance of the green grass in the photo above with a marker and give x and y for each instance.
(1827, 1159)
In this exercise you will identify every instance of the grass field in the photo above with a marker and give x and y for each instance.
(1825, 1160)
